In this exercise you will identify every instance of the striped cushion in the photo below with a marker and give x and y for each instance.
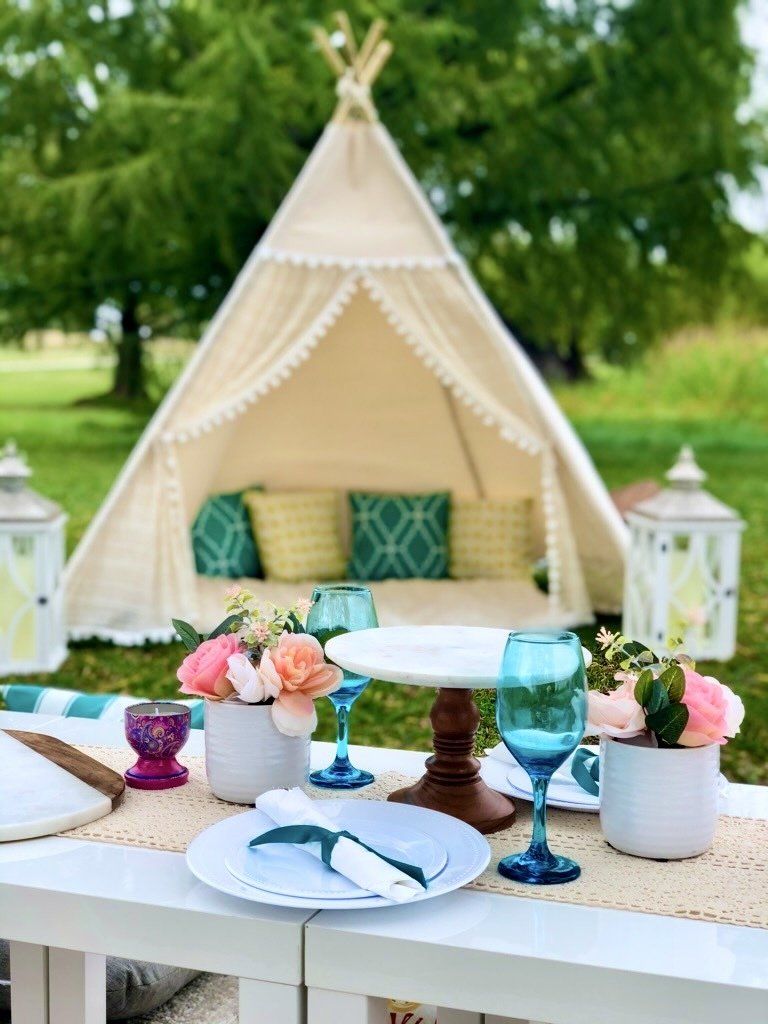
(50, 700)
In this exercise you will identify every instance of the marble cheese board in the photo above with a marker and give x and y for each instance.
(48, 786)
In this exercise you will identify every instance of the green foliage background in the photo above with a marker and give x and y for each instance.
(579, 152)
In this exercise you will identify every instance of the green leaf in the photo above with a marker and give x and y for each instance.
(634, 648)
(225, 626)
(294, 624)
(668, 723)
(187, 634)
(643, 687)
(657, 698)
(674, 681)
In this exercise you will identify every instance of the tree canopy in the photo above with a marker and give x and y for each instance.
(580, 152)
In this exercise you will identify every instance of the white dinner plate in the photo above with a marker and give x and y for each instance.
(505, 775)
(467, 851)
(292, 871)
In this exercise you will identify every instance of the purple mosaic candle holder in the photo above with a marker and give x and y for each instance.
(157, 730)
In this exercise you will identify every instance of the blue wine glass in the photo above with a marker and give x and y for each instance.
(541, 709)
(342, 608)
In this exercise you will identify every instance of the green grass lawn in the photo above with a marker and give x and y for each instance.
(709, 389)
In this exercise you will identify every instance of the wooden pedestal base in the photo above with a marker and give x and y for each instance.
(452, 783)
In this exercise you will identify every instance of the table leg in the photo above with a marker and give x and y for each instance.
(452, 783)
(266, 1002)
(29, 983)
(327, 1007)
(77, 987)
(491, 1018)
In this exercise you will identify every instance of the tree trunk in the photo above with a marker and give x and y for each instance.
(573, 363)
(129, 381)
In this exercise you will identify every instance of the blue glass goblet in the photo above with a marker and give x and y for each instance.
(541, 708)
(342, 608)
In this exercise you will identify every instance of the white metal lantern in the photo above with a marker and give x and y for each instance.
(683, 569)
(31, 560)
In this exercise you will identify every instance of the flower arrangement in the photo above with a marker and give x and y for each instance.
(660, 701)
(259, 654)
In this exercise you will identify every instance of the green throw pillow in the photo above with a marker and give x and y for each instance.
(222, 539)
(399, 536)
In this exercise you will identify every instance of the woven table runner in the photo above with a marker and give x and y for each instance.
(729, 884)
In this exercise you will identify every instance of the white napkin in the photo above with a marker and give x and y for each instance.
(293, 807)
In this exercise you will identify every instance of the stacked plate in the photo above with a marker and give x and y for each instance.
(502, 772)
(449, 852)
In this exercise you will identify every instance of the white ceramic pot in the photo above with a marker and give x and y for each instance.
(245, 754)
(660, 803)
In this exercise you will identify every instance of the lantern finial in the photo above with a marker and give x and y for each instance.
(686, 474)
(14, 471)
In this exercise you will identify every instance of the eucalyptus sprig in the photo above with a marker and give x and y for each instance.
(259, 624)
(659, 683)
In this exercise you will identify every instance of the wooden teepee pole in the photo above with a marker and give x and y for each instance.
(357, 73)
(370, 72)
(350, 45)
(375, 32)
(325, 46)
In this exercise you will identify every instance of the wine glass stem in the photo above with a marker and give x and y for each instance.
(539, 838)
(343, 711)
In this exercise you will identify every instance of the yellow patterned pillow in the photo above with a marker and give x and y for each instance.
(298, 534)
(490, 539)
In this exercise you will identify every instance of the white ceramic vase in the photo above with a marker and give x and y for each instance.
(660, 803)
(245, 753)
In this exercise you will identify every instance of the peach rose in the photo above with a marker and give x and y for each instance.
(616, 714)
(203, 673)
(298, 663)
(715, 712)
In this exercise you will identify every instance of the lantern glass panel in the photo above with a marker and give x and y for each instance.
(17, 597)
(639, 598)
(695, 585)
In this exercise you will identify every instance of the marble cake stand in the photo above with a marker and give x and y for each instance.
(455, 661)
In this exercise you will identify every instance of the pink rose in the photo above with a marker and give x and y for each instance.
(203, 673)
(616, 714)
(715, 712)
(298, 662)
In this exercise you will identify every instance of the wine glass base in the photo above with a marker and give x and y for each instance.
(522, 867)
(348, 778)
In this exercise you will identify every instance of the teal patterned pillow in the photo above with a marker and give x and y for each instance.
(399, 536)
(222, 538)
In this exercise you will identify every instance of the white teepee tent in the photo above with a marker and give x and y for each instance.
(354, 351)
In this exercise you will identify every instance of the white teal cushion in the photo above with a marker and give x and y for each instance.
(222, 538)
(52, 700)
(399, 536)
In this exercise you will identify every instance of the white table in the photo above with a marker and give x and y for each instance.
(495, 959)
(66, 904)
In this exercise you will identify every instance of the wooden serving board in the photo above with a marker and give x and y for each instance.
(47, 786)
